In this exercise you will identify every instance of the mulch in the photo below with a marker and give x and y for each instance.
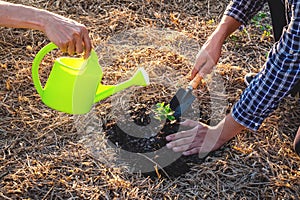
(45, 154)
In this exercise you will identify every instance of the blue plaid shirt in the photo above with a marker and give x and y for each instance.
(281, 71)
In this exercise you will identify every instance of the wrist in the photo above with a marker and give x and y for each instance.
(215, 40)
(228, 128)
(43, 18)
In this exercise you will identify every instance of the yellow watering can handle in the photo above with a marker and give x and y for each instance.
(36, 63)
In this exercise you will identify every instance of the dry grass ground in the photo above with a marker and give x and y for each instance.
(45, 154)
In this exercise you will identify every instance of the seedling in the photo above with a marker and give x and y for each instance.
(163, 112)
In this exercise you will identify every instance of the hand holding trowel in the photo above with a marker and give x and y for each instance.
(184, 97)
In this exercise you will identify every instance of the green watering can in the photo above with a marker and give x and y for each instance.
(74, 84)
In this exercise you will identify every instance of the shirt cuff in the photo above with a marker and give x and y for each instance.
(246, 119)
(237, 17)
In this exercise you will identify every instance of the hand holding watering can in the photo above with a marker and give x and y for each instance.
(74, 84)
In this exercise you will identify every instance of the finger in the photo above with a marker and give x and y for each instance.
(180, 142)
(189, 145)
(65, 41)
(171, 137)
(78, 44)
(191, 151)
(87, 45)
(63, 47)
(182, 148)
(194, 124)
(180, 135)
(197, 147)
(71, 47)
(207, 69)
(200, 63)
(192, 142)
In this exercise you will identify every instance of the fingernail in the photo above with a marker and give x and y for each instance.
(168, 138)
(169, 145)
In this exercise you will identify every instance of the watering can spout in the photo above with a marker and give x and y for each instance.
(140, 78)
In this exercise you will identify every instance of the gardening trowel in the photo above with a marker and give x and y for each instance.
(184, 97)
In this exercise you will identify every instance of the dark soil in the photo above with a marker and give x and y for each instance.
(47, 155)
(148, 150)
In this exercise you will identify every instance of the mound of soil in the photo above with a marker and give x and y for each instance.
(143, 147)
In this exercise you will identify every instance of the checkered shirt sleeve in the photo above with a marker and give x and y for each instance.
(244, 10)
(280, 74)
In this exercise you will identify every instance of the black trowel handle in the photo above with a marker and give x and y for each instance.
(196, 81)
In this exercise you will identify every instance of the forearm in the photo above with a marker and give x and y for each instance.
(225, 28)
(210, 52)
(69, 35)
(227, 129)
(20, 16)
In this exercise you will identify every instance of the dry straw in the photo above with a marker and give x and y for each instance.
(48, 155)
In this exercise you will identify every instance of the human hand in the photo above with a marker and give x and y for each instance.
(207, 58)
(69, 35)
(201, 138)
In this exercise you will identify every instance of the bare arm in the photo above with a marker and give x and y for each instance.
(224, 29)
(20, 16)
(67, 34)
(210, 53)
(237, 13)
(202, 138)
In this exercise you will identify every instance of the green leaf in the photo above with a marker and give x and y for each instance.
(163, 112)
